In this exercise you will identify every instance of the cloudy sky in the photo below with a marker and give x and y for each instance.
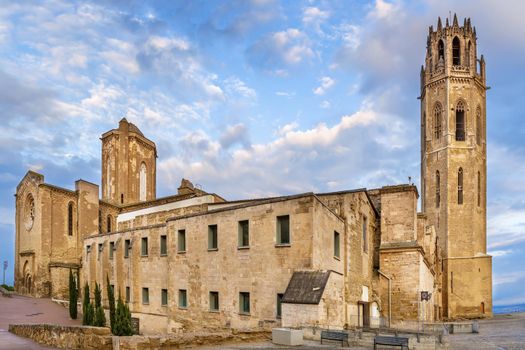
(252, 98)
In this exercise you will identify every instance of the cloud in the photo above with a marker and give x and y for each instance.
(326, 83)
(235, 86)
(325, 104)
(313, 17)
(235, 134)
(280, 50)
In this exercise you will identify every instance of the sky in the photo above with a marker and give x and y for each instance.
(253, 98)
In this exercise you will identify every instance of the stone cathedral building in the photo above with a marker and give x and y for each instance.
(354, 258)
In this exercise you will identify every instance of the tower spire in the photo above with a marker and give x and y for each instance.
(455, 22)
(440, 26)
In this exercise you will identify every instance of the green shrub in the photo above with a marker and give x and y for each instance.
(122, 319)
(100, 318)
(111, 301)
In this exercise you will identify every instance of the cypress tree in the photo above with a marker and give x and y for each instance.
(90, 317)
(73, 296)
(111, 301)
(87, 318)
(122, 319)
(100, 318)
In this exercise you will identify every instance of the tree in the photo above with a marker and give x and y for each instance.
(111, 301)
(100, 318)
(73, 296)
(122, 319)
(88, 311)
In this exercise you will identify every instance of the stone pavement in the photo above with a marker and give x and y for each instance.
(20, 309)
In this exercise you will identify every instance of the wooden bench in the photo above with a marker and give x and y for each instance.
(335, 336)
(391, 341)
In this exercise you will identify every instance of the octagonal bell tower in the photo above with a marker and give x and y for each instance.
(454, 166)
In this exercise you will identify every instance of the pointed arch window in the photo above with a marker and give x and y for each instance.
(438, 189)
(109, 223)
(478, 126)
(460, 121)
(460, 186)
(456, 50)
(70, 219)
(479, 189)
(437, 121)
(142, 180)
(441, 51)
(99, 221)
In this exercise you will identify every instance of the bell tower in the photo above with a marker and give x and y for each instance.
(454, 166)
(128, 165)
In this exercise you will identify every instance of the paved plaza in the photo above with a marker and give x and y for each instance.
(503, 332)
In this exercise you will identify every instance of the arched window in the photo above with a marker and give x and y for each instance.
(437, 121)
(70, 219)
(438, 189)
(109, 223)
(456, 60)
(460, 121)
(142, 180)
(441, 51)
(478, 126)
(479, 188)
(460, 186)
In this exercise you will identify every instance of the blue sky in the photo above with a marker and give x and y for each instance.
(252, 98)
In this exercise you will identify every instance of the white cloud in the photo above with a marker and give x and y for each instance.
(161, 43)
(234, 85)
(313, 17)
(383, 10)
(326, 83)
(499, 253)
(325, 104)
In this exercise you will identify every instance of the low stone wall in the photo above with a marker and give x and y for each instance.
(65, 337)
(188, 339)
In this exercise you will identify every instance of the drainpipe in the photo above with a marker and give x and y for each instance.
(389, 296)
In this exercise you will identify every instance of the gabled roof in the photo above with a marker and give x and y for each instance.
(306, 287)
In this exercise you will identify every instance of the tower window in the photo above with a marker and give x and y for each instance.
(109, 223)
(441, 51)
(460, 186)
(478, 126)
(437, 121)
(70, 219)
(438, 189)
(99, 221)
(460, 121)
(365, 234)
(122, 198)
(212, 237)
(142, 182)
(456, 61)
(468, 53)
(479, 188)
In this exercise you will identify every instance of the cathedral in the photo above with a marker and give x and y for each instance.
(346, 259)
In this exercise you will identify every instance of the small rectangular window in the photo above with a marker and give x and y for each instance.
(283, 229)
(145, 295)
(144, 246)
(181, 241)
(244, 233)
(212, 237)
(128, 296)
(88, 249)
(111, 249)
(163, 245)
(214, 301)
(337, 247)
(127, 247)
(100, 246)
(164, 298)
(112, 286)
(244, 302)
(365, 234)
(183, 299)
(279, 305)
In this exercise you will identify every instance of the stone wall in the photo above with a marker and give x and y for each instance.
(66, 337)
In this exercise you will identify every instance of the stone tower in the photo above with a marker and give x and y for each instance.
(454, 166)
(128, 165)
